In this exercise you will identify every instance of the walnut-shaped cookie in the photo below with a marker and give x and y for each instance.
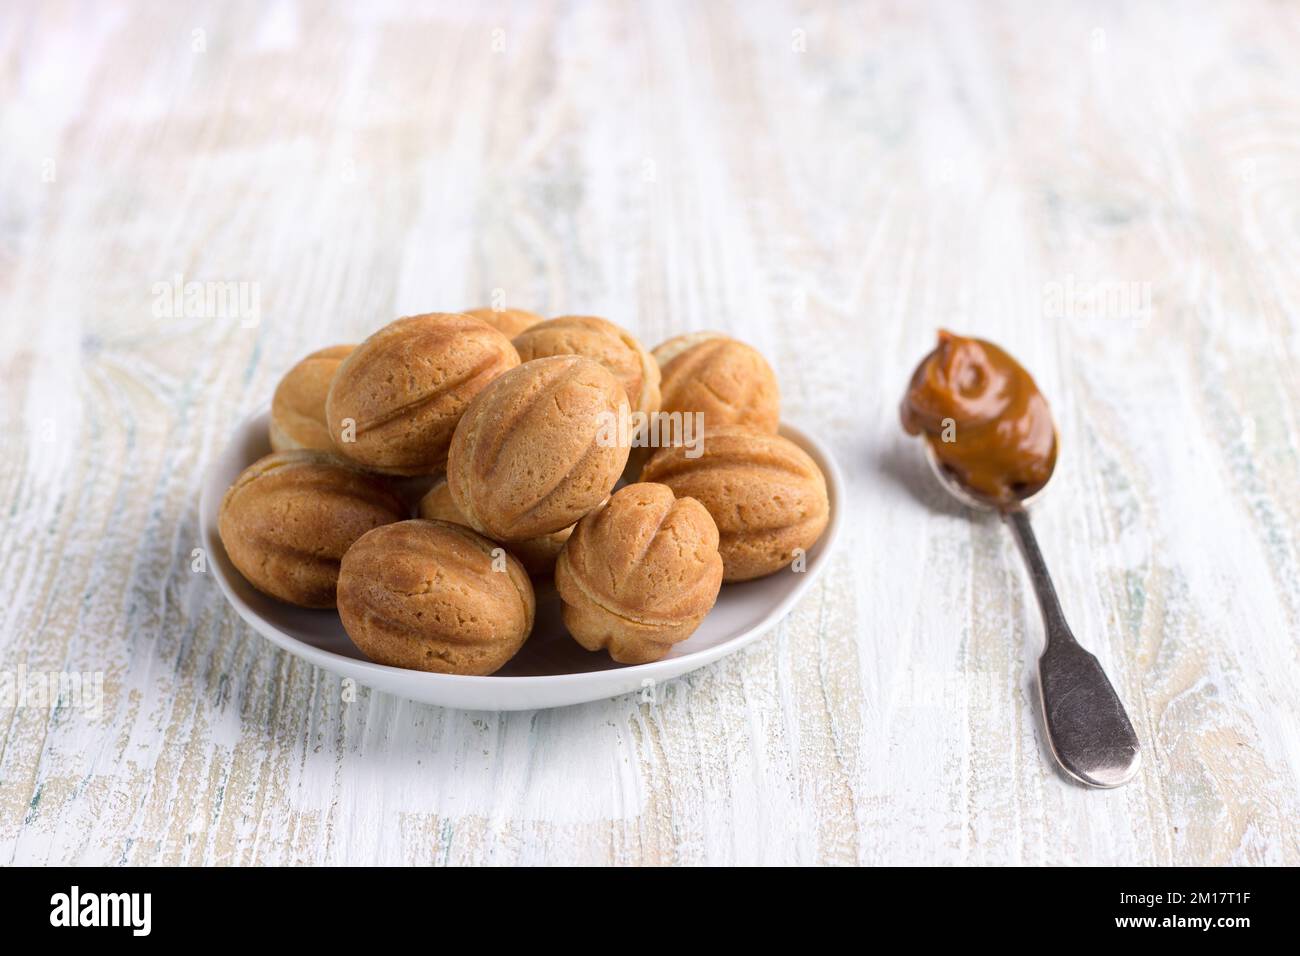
(509, 322)
(639, 573)
(435, 596)
(767, 496)
(298, 406)
(289, 518)
(395, 401)
(539, 448)
(727, 381)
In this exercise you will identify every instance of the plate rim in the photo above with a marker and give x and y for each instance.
(333, 661)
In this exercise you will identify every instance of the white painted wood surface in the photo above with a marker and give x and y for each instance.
(829, 182)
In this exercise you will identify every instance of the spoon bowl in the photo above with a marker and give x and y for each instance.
(953, 485)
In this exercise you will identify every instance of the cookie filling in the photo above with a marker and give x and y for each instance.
(984, 418)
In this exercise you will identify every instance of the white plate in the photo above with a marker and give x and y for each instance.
(551, 670)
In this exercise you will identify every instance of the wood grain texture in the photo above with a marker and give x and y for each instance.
(1111, 193)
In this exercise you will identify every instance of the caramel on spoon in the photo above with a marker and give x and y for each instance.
(990, 440)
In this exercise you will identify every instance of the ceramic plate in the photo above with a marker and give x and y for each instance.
(551, 670)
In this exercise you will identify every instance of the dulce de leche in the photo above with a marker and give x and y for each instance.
(984, 418)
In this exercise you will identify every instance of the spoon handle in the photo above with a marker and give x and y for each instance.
(1058, 631)
(1091, 736)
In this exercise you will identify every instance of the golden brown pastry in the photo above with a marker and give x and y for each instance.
(509, 322)
(289, 517)
(639, 573)
(298, 407)
(539, 448)
(603, 342)
(537, 555)
(434, 596)
(766, 495)
(405, 388)
(726, 380)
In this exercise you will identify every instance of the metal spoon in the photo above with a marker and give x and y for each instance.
(1087, 726)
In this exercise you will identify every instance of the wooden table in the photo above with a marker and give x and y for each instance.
(1111, 193)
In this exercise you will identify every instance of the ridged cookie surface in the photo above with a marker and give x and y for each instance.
(434, 596)
(298, 406)
(601, 341)
(726, 380)
(405, 388)
(537, 555)
(639, 573)
(767, 496)
(289, 518)
(538, 449)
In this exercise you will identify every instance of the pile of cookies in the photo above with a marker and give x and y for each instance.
(495, 428)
